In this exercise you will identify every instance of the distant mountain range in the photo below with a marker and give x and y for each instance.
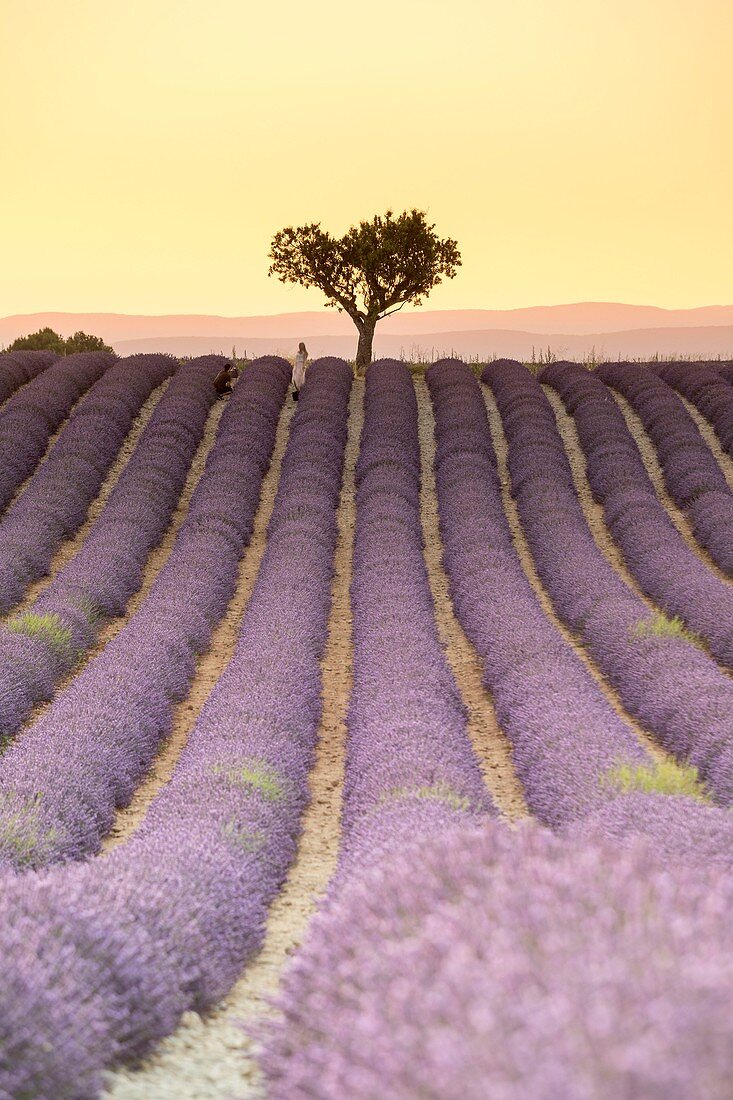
(607, 329)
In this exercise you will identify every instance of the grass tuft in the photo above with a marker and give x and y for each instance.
(21, 829)
(47, 628)
(438, 792)
(254, 774)
(660, 626)
(89, 610)
(662, 777)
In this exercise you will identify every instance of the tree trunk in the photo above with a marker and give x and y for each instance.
(366, 337)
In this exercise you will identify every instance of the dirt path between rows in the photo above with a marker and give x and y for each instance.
(593, 511)
(49, 447)
(707, 431)
(212, 663)
(648, 453)
(491, 745)
(153, 566)
(72, 546)
(646, 739)
(211, 1057)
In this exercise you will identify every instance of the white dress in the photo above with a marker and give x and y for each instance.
(299, 370)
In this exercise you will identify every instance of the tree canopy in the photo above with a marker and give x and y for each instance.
(48, 340)
(372, 271)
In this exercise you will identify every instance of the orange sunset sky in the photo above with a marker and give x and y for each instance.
(577, 149)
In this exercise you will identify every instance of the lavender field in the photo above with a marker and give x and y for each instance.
(378, 745)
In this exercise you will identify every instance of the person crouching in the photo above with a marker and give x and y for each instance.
(223, 382)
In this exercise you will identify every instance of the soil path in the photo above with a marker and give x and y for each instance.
(212, 663)
(49, 446)
(72, 546)
(212, 1057)
(490, 743)
(593, 511)
(154, 564)
(645, 738)
(707, 431)
(648, 453)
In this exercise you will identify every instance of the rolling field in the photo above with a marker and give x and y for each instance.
(378, 745)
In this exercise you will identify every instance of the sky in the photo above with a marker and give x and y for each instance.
(577, 150)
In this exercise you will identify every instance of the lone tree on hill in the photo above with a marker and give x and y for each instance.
(370, 272)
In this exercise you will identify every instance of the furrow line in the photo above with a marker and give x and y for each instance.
(211, 1058)
(707, 431)
(491, 745)
(525, 556)
(648, 453)
(69, 548)
(52, 440)
(595, 517)
(212, 663)
(153, 566)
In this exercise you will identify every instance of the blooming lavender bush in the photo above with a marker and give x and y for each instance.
(692, 476)
(653, 549)
(33, 414)
(105, 956)
(87, 753)
(681, 830)
(725, 370)
(670, 685)
(703, 386)
(54, 504)
(410, 768)
(565, 736)
(19, 367)
(99, 580)
(513, 965)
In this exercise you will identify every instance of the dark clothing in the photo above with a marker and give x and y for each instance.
(223, 382)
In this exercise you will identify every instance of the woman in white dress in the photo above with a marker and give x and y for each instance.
(301, 360)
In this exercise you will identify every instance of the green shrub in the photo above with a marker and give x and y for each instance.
(89, 610)
(254, 774)
(660, 626)
(48, 628)
(660, 777)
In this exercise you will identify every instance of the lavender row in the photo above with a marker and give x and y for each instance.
(42, 644)
(692, 476)
(31, 416)
(19, 367)
(496, 964)
(410, 769)
(55, 502)
(667, 683)
(704, 388)
(725, 370)
(653, 549)
(566, 738)
(103, 958)
(61, 781)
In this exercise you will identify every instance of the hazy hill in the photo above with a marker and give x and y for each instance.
(613, 329)
(711, 342)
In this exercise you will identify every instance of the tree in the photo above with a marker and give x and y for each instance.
(47, 339)
(81, 341)
(371, 272)
(43, 340)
